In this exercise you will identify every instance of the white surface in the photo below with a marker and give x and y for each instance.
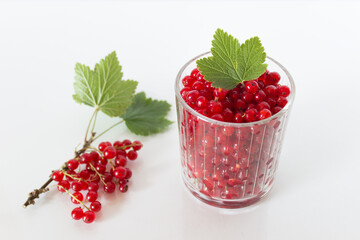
(316, 193)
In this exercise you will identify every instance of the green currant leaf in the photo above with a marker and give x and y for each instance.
(146, 116)
(232, 63)
(104, 88)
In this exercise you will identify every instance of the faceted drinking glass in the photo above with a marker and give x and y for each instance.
(230, 165)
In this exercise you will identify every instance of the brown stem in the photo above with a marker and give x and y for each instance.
(35, 194)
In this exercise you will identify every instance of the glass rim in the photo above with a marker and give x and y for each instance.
(232, 124)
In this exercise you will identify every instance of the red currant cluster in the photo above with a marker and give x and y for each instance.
(249, 102)
(104, 166)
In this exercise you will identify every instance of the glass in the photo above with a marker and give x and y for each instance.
(230, 165)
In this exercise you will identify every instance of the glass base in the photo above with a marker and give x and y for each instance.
(224, 203)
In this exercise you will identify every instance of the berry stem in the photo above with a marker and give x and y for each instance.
(91, 119)
(108, 129)
(99, 174)
(69, 193)
(92, 129)
(73, 177)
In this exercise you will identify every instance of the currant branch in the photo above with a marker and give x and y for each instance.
(36, 193)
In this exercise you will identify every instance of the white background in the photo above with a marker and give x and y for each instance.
(316, 193)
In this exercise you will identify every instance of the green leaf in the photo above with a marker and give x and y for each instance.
(252, 58)
(146, 116)
(232, 63)
(104, 88)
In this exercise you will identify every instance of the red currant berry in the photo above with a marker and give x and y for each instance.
(276, 109)
(194, 72)
(204, 112)
(198, 85)
(192, 96)
(72, 164)
(208, 86)
(93, 186)
(201, 102)
(137, 145)
(57, 176)
(184, 92)
(207, 141)
(284, 91)
(77, 213)
(77, 197)
(281, 101)
(261, 84)
(265, 113)
(107, 177)
(84, 174)
(263, 76)
(89, 216)
(84, 185)
(200, 77)
(247, 97)
(227, 131)
(215, 107)
(271, 91)
(85, 158)
(272, 78)
(218, 117)
(91, 196)
(227, 103)
(127, 144)
(208, 184)
(102, 161)
(123, 188)
(109, 187)
(109, 152)
(94, 156)
(123, 181)
(251, 86)
(117, 144)
(88, 167)
(233, 182)
(103, 145)
(120, 161)
(76, 186)
(63, 184)
(234, 94)
(262, 105)
(95, 206)
(120, 172)
(128, 173)
(259, 96)
(250, 115)
(228, 115)
(121, 152)
(271, 102)
(100, 168)
(239, 117)
(206, 93)
(132, 155)
(220, 93)
(240, 104)
(188, 81)
(251, 105)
